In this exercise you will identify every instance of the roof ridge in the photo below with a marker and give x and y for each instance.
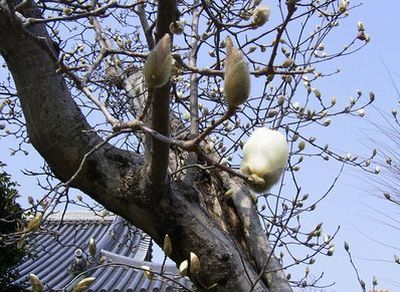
(84, 215)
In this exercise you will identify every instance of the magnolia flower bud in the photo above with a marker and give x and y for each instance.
(264, 157)
(167, 245)
(36, 284)
(30, 200)
(34, 224)
(288, 63)
(92, 247)
(157, 68)
(346, 246)
(261, 15)
(331, 251)
(360, 26)
(317, 93)
(84, 284)
(194, 263)
(147, 272)
(237, 76)
(183, 268)
(371, 96)
(177, 27)
(67, 11)
(361, 112)
(343, 5)
(301, 145)
(252, 49)
(327, 122)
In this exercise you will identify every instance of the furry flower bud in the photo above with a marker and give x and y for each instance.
(261, 15)
(157, 68)
(36, 284)
(92, 247)
(177, 27)
(35, 222)
(264, 158)
(84, 284)
(194, 263)
(167, 246)
(236, 77)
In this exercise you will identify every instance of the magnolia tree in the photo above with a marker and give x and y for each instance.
(146, 106)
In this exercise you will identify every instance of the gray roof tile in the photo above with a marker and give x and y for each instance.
(123, 246)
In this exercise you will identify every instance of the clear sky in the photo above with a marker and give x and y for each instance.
(353, 203)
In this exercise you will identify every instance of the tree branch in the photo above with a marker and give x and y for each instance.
(157, 152)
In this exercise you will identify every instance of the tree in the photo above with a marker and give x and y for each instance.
(164, 156)
(11, 252)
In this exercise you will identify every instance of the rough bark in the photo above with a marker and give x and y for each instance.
(214, 230)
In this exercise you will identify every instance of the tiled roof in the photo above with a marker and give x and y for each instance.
(122, 246)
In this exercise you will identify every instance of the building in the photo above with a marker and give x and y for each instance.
(61, 258)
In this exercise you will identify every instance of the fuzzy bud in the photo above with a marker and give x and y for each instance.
(331, 251)
(264, 157)
(301, 145)
(67, 11)
(183, 268)
(316, 92)
(34, 224)
(92, 247)
(177, 27)
(157, 68)
(327, 122)
(377, 170)
(260, 15)
(360, 26)
(361, 112)
(147, 272)
(346, 246)
(36, 284)
(374, 281)
(237, 76)
(343, 5)
(84, 284)
(167, 245)
(289, 62)
(194, 263)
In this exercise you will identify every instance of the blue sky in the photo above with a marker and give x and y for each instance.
(351, 203)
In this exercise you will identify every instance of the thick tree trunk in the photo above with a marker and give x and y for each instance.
(225, 234)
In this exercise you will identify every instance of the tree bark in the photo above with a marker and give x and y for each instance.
(221, 233)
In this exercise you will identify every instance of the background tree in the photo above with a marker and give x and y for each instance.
(11, 250)
(154, 155)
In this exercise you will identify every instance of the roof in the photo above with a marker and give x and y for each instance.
(60, 255)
